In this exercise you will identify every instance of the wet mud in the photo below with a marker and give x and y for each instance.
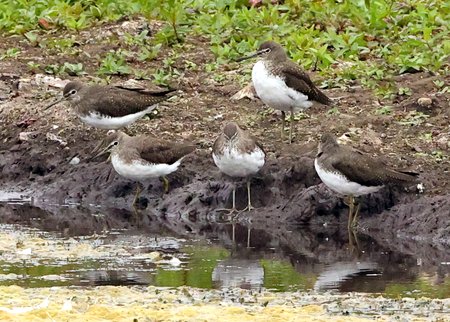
(286, 192)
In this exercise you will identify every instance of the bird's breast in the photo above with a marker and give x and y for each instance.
(273, 91)
(140, 169)
(236, 163)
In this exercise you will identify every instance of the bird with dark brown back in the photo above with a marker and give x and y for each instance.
(110, 107)
(282, 84)
(351, 173)
(143, 157)
(238, 154)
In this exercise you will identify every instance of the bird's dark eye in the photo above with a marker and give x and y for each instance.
(267, 50)
(73, 92)
(115, 143)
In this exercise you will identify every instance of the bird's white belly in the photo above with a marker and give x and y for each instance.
(338, 183)
(113, 123)
(139, 171)
(235, 164)
(273, 91)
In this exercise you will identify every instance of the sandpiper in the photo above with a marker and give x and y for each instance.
(110, 107)
(237, 154)
(142, 157)
(282, 84)
(352, 174)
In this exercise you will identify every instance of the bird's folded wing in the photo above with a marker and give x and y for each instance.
(357, 167)
(121, 102)
(299, 80)
(159, 151)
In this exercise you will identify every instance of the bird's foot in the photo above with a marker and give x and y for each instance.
(231, 213)
(248, 208)
(353, 242)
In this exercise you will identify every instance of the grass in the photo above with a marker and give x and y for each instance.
(343, 40)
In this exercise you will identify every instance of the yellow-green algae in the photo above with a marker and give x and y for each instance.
(125, 303)
(112, 303)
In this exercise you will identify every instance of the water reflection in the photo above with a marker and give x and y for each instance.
(221, 255)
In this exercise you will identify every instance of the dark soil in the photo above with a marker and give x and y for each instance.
(286, 192)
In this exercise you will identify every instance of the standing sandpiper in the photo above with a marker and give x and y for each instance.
(282, 84)
(110, 107)
(142, 157)
(352, 173)
(238, 154)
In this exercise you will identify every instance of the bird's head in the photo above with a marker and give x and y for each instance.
(70, 93)
(268, 49)
(108, 144)
(327, 142)
(231, 131)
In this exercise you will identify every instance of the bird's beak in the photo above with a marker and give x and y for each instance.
(55, 102)
(256, 53)
(99, 150)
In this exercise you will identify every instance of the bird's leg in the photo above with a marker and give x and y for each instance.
(249, 231)
(351, 206)
(233, 209)
(233, 232)
(249, 205)
(136, 196)
(137, 216)
(234, 200)
(165, 184)
(291, 125)
(283, 116)
(355, 216)
(353, 241)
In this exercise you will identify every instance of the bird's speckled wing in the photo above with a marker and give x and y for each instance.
(218, 144)
(299, 80)
(160, 151)
(248, 143)
(367, 171)
(118, 101)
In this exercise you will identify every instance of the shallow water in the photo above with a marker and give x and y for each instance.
(71, 245)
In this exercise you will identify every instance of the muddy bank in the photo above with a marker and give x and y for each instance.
(286, 192)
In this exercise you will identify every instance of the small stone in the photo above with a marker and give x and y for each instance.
(420, 187)
(26, 136)
(443, 143)
(74, 161)
(53, 137)
(424, 101)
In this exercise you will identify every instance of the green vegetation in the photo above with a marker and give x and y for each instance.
(345, 40)
(114, 64)
(414, 118)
